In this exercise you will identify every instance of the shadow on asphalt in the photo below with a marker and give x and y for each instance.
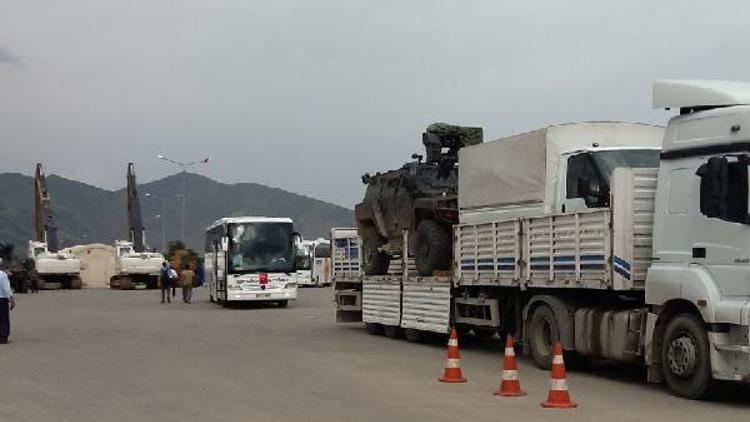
(733, 394)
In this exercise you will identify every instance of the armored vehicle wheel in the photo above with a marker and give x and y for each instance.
(433, 248)
(375, 261)
(685, 358)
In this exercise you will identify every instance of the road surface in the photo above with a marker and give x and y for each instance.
(101, 355)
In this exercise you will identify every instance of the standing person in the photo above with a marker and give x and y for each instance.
(7, 303)
(187, 278)
(165, 281)
(173, 279)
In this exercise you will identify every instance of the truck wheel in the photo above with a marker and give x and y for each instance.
(375, 261)
(152, 283)
(393, 331)
(413, 335)
(685, 358)
(543, 332)
(76, 283)
(433, 248)
(373, 328)
(283, 303)
(126, 283)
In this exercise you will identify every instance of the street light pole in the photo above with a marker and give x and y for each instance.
(161, 220)
(183, 166)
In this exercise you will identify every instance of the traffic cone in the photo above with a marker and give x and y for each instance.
(452, 362)
(558, 397)
(510, 386)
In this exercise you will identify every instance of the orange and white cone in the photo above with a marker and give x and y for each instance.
(558, 397)
(510, 386)
(453, 361)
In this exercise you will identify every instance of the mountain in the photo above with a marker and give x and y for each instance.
(88, 214)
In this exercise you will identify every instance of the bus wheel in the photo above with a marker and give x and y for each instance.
(283, 303)
(413, 335)
(543, 332)
(685, 357)
(373, 328)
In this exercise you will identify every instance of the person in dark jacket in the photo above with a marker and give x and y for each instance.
(165, 281)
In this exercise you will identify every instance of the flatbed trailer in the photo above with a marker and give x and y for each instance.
(566, 236)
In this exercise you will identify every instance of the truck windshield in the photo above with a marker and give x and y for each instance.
(607, 161)
(256, 247)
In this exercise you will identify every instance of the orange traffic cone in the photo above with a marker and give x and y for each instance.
(558, 390)
(510, 386)
(452, 362)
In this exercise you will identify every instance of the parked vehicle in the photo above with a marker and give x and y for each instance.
(419, 197)
(55, 269)
(134, 265)
(251, 259)
(621, 241)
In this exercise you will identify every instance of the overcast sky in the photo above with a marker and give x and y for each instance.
(308, 95)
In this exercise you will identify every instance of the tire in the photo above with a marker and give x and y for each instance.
(433, 248)
(283, 303)
(374, 261)
(152, 283)
(126, 283)
(413, 335)
(543, 332)
(686, 359)
(374, 329)
(75, 283)
(393, 331)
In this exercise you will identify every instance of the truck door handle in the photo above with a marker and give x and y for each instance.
(699, 252)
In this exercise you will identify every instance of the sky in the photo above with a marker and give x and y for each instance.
(308, 95)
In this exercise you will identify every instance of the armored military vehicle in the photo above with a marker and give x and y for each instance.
(420, 197)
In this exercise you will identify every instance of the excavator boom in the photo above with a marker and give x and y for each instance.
(135, 221)
(45, 227)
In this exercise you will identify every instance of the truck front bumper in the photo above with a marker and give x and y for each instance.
(730, 353)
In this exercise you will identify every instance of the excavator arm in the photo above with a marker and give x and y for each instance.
(45, 227)
(136, 231)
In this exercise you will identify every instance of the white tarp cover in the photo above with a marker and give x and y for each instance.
(522, 169)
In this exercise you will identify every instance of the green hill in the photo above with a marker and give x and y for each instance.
(88, 214)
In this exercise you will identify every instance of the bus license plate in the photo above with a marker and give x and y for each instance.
(263, 295)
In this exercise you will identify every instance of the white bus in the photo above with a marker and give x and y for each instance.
(251, 259)
(304, 263)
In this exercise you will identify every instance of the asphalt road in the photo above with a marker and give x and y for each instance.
(100, 355)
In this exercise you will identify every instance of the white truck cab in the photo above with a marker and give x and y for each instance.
(56, 269)
(699, 281)
(133, 268)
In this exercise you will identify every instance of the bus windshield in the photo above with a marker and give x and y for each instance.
(260, 247)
